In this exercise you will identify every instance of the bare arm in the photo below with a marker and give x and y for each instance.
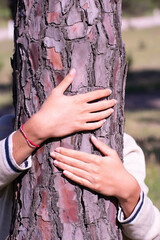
(55, 115)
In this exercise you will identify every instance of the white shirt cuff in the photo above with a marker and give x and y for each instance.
(134, 214)
(11, 163)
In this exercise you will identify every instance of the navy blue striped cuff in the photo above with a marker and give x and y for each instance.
(137, 211)
(9, 161)
(134, 214)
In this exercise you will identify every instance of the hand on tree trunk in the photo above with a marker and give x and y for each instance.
(105, 175)
(61, 115)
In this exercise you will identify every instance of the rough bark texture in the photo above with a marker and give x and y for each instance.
(50, 38)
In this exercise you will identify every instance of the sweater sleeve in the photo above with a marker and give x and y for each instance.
(144, 222)
(9, 169)
(134, 161)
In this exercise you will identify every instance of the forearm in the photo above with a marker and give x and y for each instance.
(143, 223)
(130, 195)
(21, 148)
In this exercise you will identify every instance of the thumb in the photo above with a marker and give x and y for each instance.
(102, 147)
(67, 81)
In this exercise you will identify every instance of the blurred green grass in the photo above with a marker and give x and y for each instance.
(5, 99)
(5, 13)
(152, 181)
(143, 48)
(142, 124)
(6, 52)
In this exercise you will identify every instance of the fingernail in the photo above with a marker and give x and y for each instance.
(72, 71)
(57, 150)
(93, 137)
(103, 121)
(110, 91)
(115, 101)
(53, 154)
(56, 163)
(111, 110)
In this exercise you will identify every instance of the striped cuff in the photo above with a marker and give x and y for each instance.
(134, 214)
(10, 161)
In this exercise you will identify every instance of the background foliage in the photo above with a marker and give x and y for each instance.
(139, 7)
(5, 13)
(130, 7)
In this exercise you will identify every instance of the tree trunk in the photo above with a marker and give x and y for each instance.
(50, 38)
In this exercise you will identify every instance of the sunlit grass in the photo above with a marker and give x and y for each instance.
(5, 99)
(5, 13)
(143, 123)
(143, 47)
(6, 52)
(152, 181)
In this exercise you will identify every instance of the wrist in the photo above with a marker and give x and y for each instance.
(34, 131)
(30, 143)
(130, 196)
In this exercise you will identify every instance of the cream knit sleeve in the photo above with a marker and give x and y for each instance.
(9, 170)
(144, 222)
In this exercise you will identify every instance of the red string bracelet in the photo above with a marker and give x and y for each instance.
(31, 144)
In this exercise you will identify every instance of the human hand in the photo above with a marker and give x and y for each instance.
(61, 115)
(92, 171)
(105, 175)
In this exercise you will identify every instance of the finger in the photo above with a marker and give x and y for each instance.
(93, 126)
(69, 161)
(82, 156)
(94, 95)
(67, 81)
(102, 147)
(78, 179)
(101, 105)
(75, 171)
(99, 115)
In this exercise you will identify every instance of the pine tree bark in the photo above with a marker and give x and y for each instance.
(50, 38)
